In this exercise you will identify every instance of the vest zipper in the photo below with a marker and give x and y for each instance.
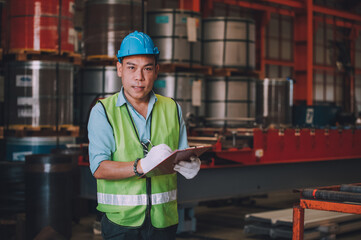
(148, 180)
(149, 195)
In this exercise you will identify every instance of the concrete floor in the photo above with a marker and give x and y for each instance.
(217, 220)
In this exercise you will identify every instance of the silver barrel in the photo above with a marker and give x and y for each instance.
(274, 102)
(230, 101)
(39, 93)
(181, 87)
(229, 42)
(19, 147)
(96, 82)
(168, 29)
(107, 22)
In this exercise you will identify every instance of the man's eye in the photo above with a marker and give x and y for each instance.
(130, 67)
(149, 69)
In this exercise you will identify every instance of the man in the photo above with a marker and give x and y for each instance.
(130, 133)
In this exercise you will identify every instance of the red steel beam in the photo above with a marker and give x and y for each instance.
(298, 222)
(257, 6)
(330, 206)
(293, 4)
(288, 3)
(309, 9)
(337, 13)
(193, 5)
(337, 22)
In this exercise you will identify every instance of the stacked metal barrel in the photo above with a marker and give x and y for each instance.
(170, 31)
(106, 23)
(229, 42)
(41, 25)
(38, 66)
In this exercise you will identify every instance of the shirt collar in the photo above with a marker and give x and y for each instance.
(122, 100)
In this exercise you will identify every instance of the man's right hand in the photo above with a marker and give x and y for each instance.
(155, 156)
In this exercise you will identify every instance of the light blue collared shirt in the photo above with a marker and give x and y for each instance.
(100, 133)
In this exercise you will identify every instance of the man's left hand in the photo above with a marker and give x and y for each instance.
(188, 169)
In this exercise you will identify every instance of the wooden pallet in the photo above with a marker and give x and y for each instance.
(28, 130)
(1, 132)
(100, 60)
(44, 54)
(228, 72)
(185, 67)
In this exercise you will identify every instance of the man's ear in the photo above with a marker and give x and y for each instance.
(119, 69)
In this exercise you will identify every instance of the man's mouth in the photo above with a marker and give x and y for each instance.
(138, 88)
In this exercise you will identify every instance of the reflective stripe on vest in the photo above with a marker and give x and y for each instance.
(136, 200)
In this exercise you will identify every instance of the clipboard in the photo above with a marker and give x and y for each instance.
(166, 166)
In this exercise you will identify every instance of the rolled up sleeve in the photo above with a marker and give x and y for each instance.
(101, 138)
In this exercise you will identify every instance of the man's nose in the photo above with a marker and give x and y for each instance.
(139, 75)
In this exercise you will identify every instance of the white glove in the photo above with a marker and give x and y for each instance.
(188, 169)
(155, 156)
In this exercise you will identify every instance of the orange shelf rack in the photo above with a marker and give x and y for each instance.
(330, 198)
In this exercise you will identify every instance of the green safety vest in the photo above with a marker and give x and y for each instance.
(126, 201)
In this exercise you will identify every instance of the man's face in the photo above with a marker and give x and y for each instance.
(138, 74)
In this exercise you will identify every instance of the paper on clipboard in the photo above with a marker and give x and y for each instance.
(167, 165)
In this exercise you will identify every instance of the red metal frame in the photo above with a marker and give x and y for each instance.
(303, 12)
(299, 210)
(276, 146)
(337, 13)
(193, 5)
(257, 6)
(289, 3)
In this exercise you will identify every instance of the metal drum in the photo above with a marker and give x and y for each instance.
(35, 25)
(12, 188)
(2, 98)
(181, 87)
(168, 29)
(48, 191)
(96, 82)
(107, 22)
(41, 93)
(229, 42)
(274, 102)
(230, 101)
(18, 147)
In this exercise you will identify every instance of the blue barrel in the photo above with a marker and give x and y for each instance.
(18, 147)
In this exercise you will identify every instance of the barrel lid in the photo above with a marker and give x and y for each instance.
(39, 140)
(36, 64)
(67, 151)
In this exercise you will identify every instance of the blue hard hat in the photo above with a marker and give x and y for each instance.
(137, 43)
